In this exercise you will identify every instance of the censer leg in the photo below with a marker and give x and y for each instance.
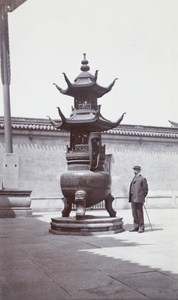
(108, 205)
(80, 200)
(67, 208)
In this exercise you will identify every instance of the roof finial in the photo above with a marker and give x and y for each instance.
(84, 62)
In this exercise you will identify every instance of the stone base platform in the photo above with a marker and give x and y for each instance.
(91, 225)
(15, 203)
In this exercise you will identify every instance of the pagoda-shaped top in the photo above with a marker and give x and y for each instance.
(85, 78)
(86, 111)
(85, 81)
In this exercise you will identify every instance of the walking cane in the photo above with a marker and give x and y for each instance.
(148, 216)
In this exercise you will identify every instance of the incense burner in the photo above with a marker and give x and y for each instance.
(87, 180)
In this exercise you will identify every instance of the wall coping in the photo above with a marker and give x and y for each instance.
(44, 125)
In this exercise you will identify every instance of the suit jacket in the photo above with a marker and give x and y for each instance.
(140, 189)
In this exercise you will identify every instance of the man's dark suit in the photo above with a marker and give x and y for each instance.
(137, 193)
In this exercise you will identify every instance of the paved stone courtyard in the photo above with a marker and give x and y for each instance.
(38, 265)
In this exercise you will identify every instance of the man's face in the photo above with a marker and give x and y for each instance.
(136, 171)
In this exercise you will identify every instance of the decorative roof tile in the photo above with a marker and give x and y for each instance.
(79, 117)
(122, 130)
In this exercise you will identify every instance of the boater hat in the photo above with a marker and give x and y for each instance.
(137, 167)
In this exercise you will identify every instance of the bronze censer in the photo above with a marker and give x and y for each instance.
(87, 181)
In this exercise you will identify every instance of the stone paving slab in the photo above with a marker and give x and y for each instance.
(154, 284)
(36, 264)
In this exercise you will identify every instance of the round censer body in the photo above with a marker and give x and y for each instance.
(95, 184)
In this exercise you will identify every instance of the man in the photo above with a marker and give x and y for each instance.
(137, 193)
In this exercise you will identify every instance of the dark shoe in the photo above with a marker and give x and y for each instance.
(140, 231)
(134, 229)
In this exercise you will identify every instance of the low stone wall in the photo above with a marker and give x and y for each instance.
(47, 204)
(119, 203)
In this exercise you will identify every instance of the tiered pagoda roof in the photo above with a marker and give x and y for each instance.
(85, 81)
(86, 112)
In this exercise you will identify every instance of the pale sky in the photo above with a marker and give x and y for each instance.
(133, 40)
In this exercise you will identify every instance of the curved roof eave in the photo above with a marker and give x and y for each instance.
(92, 87)
(98, 124)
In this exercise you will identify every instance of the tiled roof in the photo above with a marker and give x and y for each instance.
(29, 123)
(79, 117)
(147, 133)
(122, 130)
(83, 81)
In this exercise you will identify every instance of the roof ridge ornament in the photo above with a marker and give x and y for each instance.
(84, 62)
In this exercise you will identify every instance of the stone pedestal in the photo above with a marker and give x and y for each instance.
(91, 225)
(15, 203)
(10, 168)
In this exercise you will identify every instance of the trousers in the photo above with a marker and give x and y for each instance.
(137, 213)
